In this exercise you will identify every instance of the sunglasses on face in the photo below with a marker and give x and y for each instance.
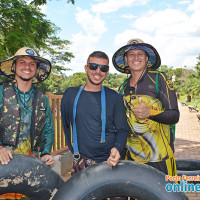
(94, 66)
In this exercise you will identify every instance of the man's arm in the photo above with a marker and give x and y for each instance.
(1, 102)
(48, 129)
(167, 96)
(65, 115)
(121, 125)
(48, 135)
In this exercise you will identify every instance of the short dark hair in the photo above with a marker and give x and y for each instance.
(98, 54)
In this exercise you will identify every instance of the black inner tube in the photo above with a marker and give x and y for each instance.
(29, 176)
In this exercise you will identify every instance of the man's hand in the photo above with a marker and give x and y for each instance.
(114, 157)
(5, 155)
(141, 111)
(48, 159)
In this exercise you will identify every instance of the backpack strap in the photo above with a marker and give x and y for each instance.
(156, 82)
(123, 85)
(173, 131)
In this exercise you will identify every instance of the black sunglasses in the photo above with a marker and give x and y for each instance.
(94, 66)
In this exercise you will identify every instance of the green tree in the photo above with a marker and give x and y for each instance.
(192, 85)
(77, 79)
(114, 80)
(178, 72)
(23, 24)
(166, 69)
(197, 67)
(41, 2)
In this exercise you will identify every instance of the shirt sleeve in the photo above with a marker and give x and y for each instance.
(48, 129)
(167, 96)
(1, 101)
(66, 120)
(121, 124)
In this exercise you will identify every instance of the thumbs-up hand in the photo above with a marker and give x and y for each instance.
(140, 100)
(141, 111)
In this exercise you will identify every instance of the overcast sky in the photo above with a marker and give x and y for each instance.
(171, 26)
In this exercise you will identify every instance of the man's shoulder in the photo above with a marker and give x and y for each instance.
(71, 91)
(1, 86)
(159, 74)
(112, 91)
(155, 72)
(7, 83)
(1, 92)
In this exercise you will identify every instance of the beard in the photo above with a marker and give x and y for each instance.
(25, 79)
(89, 78)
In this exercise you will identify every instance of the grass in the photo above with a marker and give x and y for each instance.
(184, 98)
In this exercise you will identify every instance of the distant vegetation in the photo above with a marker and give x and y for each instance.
(23, 24)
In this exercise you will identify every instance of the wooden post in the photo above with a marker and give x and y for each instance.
(59, 144)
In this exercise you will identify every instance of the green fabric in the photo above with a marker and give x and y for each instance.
(157, 85)
(24, 100)
(123, 85)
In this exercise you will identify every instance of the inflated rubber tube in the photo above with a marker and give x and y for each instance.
(128, 179)
(188, 167)
(29, 176)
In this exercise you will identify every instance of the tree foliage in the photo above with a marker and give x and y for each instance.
(192, 85)
(197, 67)
(77, 79)
(41, 2)
(23, 24)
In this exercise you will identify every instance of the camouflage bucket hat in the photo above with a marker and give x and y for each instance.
(120, 64)
(43, 65)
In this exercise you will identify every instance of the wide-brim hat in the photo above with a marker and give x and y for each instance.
(43, 65)
(120, 64)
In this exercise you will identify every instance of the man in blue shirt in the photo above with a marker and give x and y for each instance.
(94, 118)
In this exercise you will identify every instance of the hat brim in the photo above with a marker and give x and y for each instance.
(119, 62)
(43, 68)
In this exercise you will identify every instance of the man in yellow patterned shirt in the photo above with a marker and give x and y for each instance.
(150, 109)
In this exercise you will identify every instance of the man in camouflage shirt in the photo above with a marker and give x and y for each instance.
(26, 123)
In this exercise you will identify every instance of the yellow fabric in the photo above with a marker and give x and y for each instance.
(11, 196)
(149, 140)
(171, 166)
(154, 112)
(23, 147)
